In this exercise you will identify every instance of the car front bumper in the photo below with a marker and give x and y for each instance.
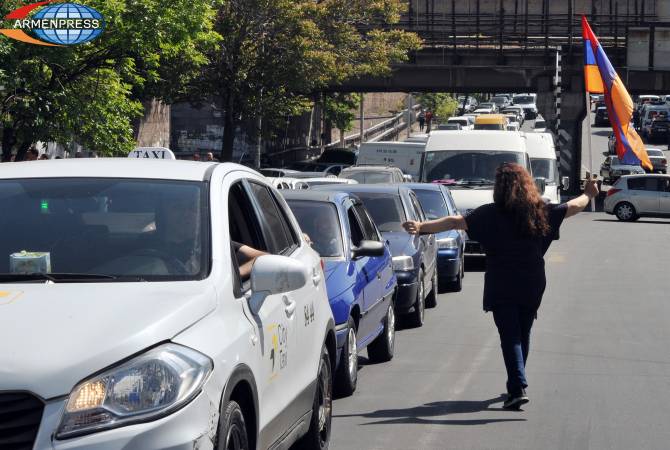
(448, 265)
(408, 287)
(192, 427)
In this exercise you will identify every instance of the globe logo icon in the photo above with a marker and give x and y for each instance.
(73, 16)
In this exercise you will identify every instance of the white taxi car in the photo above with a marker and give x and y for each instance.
(136, 312)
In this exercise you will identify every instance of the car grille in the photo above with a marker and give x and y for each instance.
(20, 416)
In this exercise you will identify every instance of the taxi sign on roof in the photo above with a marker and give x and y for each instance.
(152, 153)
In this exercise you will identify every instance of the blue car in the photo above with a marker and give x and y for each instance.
(414, 257)
(437, 202)
(359, 274)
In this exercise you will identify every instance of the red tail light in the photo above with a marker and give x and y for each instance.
(613, 191)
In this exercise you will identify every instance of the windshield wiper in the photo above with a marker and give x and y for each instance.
(477, 182)
(54, 277)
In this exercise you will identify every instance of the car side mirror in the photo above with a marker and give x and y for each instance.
(274, 274)
(565, 183)
(541, 184)
(368, 248)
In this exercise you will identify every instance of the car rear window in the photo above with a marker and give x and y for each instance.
(386, 210)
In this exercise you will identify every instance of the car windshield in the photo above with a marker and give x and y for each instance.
(320, 222)
(432, 203)
(386, 210)
(499, 100)
(368, 177)
(127, 229)
(523, 99)
(540, 124)
(545, 168)
(467, 167)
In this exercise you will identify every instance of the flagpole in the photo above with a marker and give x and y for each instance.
(590, 144)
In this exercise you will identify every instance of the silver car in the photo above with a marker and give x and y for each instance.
(635, 196)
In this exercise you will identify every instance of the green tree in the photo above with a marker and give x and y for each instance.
(276, 54)
(89, 93)
(340, 109)
(442, 105)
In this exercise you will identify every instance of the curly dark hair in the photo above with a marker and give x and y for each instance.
(515, 193)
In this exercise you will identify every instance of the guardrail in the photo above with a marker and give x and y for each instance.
(383, 130)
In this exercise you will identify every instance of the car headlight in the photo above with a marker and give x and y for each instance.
(149, 386)
(447, 244)
(403, 263)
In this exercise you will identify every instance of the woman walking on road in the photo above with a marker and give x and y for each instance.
(515, 232)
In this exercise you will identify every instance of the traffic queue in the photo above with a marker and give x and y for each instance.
(182, 304)
(176, 304)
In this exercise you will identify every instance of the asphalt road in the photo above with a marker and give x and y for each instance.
(599, 366)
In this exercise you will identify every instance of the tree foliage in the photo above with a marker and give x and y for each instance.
(275, 54)
(442, 105)
(90, 93)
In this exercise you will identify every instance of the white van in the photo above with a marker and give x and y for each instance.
(404, 155)
(467, 163)
(542, 153)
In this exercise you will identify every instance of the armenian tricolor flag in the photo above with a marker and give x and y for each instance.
(601, 78)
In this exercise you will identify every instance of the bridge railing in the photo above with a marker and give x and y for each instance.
(529, 32)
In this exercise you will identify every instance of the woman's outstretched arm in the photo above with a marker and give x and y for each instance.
(577, 205)
(436, 226)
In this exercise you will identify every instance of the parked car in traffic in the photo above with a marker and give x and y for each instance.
(501, 101)
(359, 277)
(517, 111)
(656, 130)
(540, 125)
(374, 174)
(437, 202)
(488, 105)
(414, 257)
(166, 303)
(527, 102)
(635, 196)
(658, 160)
(307, 183)
(466, 122)
(602, 117)
(611, 169)
(495, 122)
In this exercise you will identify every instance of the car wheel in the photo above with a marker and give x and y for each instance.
(232, 429)
(625, 212)
(346, 375)
(431, 299)
(383, 348)
(318, 436)
(418, 315)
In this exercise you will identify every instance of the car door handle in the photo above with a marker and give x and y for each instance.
(290, 306)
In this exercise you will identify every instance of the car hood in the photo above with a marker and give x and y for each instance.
(55, 335)
(401, 243)
(467, 199)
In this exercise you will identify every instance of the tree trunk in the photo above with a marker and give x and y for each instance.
(342, 139)
(228, 129)
(22, 150)
(8, 141)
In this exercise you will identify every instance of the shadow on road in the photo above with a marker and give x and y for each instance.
(640, 221)
(428, 413)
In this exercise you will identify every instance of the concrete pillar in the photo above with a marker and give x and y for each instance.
(569, 139)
